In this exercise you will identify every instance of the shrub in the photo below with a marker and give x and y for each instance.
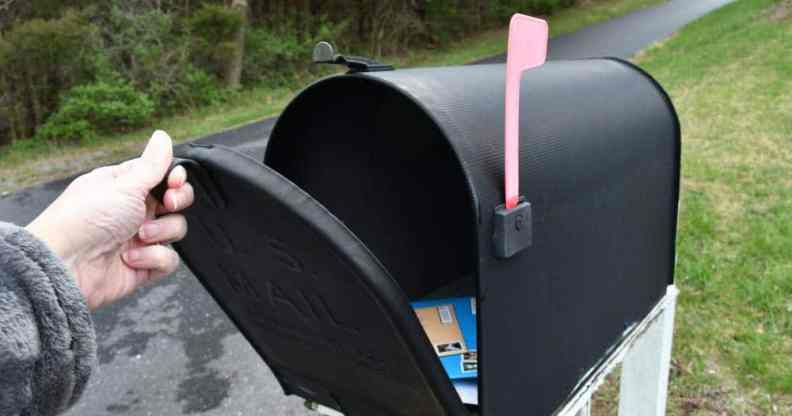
(504, 8)
(216, 23)
(39, 60)
(65, 131)
(447, 19)
(197, 88)
(108, 105)
(278, 59)
(214, 28)
(100, 107)
(270, 57)
(148, 48)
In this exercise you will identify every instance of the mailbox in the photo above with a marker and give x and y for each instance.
(380, 188)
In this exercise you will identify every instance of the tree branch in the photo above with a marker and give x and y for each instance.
(6, 16)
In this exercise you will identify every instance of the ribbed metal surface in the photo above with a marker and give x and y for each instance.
(599, 161)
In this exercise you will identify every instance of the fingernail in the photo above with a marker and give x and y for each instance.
(175, 200)
(149, 231)
(159, 134)
(132, 255)
(180, 174)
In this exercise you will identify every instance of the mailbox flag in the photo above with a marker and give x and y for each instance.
(527, 48)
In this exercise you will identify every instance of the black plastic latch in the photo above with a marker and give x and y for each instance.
(513, 229)
(325, 53)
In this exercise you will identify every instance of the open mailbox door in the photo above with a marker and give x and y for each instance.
(322, 311)
(379, 188)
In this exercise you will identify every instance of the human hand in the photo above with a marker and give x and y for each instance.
(105, 226)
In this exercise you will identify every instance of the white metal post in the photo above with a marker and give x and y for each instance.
(586, 410)
(644, 378)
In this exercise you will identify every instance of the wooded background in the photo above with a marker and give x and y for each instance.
(71, 69)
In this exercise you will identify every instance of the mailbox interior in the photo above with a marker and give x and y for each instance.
(379, 163)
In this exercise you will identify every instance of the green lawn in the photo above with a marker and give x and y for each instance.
(26, 163)
(730, 77)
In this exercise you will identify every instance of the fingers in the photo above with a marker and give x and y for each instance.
(177, 199)
(150, 168)
(158, 260)
(177, 177)
(166, 229)
(180, 193)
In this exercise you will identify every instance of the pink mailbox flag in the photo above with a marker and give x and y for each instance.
(527, 49)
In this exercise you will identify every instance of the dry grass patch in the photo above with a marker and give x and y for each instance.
(781, 12)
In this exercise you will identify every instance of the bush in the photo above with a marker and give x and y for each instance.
(277, 59)
(150, 49)
(214, 28)
(270, 57)
(197, 88)
(39, 60)
(504, 8)
(108, 105)
(216, 23)
(100, 107)
(65, 131)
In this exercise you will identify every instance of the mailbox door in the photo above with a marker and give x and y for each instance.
(318, 307)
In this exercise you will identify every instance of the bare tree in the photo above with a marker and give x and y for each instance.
(233, 75)
(393, 25)
(6, 15)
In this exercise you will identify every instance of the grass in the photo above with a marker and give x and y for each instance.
(730, 77)
(26, 163)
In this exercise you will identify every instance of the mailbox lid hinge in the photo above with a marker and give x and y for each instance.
(325, 53)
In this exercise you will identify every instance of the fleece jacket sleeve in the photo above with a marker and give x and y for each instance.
(47, 341)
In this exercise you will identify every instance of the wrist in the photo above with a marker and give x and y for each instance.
(57, 242)
(51, 238)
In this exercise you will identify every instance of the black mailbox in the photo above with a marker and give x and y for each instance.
(378, 188)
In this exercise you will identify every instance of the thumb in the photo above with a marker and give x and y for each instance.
(151, 167)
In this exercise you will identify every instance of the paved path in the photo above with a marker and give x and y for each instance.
(624, 36)
(169, 350)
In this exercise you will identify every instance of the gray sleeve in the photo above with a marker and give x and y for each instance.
(47, 341)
